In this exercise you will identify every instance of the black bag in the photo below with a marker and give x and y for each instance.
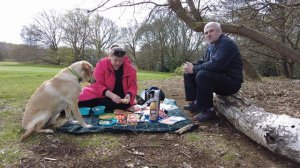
(147, 94)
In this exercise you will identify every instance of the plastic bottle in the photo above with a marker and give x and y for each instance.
(153, 113)
(154, 107)
(157, 98)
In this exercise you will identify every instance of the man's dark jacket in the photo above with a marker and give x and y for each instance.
(222, 57)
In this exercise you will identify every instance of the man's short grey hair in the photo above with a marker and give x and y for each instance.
(217, 25)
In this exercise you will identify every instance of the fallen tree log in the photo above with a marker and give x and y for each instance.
(278, 133)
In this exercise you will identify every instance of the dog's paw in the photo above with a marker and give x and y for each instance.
(49, 131)
(73, 122)
(87, 126)
(46, 131)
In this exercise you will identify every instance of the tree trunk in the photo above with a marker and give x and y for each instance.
(249, 70)
(278, 133)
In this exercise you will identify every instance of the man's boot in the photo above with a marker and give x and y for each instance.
(206, 116)
(192, 106)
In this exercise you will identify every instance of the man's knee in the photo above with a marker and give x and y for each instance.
(203, 75)
(185, 76)
(188, 76)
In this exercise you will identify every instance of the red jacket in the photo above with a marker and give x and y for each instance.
(105, 79)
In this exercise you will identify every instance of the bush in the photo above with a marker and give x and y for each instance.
(179, 71)
(267, 69)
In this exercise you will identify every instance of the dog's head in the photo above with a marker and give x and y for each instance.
(84, 70)
(87, 72)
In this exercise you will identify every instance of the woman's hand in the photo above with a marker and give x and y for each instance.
(115, 98)
(126, 99)
(127, 96)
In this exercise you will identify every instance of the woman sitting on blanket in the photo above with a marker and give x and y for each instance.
(116, 83)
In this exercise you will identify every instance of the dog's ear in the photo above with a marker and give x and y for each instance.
(87, 67)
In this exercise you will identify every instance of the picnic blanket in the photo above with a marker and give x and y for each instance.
(173, 110)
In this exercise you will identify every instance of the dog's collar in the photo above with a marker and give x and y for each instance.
(75, 74)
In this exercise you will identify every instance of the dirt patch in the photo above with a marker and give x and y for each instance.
(279, 96)
(213, 144)
(51, 151)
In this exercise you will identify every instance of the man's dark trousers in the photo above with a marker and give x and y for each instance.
(202, 85)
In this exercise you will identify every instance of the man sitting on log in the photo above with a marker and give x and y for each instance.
(220, 71)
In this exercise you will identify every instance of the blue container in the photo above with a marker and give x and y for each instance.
(97, 110)
(85, 110)
(108, 122)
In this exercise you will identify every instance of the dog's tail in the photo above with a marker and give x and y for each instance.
(27, 133)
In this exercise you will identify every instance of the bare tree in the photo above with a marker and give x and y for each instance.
(157, 30)
(170, 40)
(48, 26)
(30, 36)
(130, 38)
(75, 28)
(184, 44)
(102, 34)
(147, 56)
(45, 32)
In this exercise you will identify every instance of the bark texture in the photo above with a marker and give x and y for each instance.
(278, 133)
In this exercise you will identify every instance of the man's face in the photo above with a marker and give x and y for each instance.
(211, 33)
(116, 61)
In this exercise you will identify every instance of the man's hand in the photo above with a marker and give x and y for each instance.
(188, 67)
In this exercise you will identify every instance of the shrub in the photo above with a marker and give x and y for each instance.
(179, 71)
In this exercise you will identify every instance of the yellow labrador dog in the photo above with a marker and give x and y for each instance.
(54, 95)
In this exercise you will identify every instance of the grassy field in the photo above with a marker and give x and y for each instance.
(18, 82)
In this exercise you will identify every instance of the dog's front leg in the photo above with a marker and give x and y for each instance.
(78, 116)
(69, 116)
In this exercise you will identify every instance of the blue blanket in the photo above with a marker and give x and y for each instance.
(140, 127)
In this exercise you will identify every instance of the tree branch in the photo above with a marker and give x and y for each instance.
(176, 6)
(125, 4)
(99, 6)
(262, 39)
(195, 12)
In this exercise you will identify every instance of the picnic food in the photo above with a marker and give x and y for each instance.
(119, 111)
(133, 119)
(121, 118)
(106, 116)
(124, 101)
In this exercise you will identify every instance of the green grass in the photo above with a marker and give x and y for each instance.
(18, 82)
(146, 75)
(18, 64)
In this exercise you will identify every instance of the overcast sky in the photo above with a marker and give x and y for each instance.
(14, 14)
